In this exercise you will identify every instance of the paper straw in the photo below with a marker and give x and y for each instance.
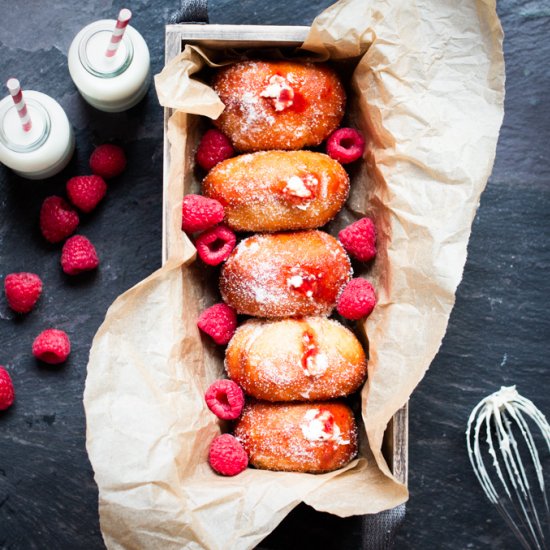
(124, 17)
(17, 95)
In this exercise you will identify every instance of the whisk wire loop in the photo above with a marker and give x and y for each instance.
(522, 501)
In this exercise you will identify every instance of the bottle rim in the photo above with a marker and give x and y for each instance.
(39, 112)
(83, 51)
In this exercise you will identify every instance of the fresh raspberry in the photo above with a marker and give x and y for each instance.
(225, 399)
(359, 239)
(357, 300)
(52, 346)
(57, 219)
(215, 245)
(85, 192)
(345, 145)
(22, 291)
(219, 322)
(200, 213)
(7, 395)
(108, 161)
(227, 456)
(78, 254)
(213, 148)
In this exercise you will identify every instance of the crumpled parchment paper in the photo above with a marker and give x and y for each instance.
(428, 88)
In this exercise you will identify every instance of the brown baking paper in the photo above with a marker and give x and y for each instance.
(429, 90)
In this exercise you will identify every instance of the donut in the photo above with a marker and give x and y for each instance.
(278, 104)
(278, 190)
(285, 274)
(311, 437)
(313, 358)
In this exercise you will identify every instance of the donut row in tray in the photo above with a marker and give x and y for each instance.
(289, 366)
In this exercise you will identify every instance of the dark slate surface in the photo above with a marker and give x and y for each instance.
(498, 334)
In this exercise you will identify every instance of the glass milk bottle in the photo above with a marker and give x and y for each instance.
(109, 64)
(36, 139)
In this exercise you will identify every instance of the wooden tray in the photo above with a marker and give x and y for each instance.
(395, 446)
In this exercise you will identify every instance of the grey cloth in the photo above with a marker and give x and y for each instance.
(379, 530)
(191, 11)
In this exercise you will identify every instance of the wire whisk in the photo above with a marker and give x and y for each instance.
(504, 419)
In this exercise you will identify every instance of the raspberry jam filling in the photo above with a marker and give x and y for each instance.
(304, 282)
(297, 187)
(313, 362)
(299, 190)
(299, 103)
(320, 426)
(280, 92)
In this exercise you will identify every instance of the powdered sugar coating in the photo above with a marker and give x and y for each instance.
(278, 190)
(254, 279)
(257, 117)
(313, 358)
(272, 435)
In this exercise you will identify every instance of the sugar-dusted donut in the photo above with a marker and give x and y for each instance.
(278, 104)
(313, 358)
(285, 274)
(278, 190)
(311, 437)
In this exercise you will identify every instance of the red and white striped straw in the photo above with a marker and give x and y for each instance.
(17, 95)
(124, 17)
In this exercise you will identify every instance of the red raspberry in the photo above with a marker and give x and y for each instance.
(215, 245)
(213, 148)
(219, 322)
(57, 219)
(108, 161)
(7, 394)
(359, 239)
(22, 291)
(78, 254)
(52, 346)
(200, 213)
(227, 456)
(345, 145)
(225, 399)
(85, 192)
(357, 300)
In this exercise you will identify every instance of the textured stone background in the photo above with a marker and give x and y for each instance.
(498, 334)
